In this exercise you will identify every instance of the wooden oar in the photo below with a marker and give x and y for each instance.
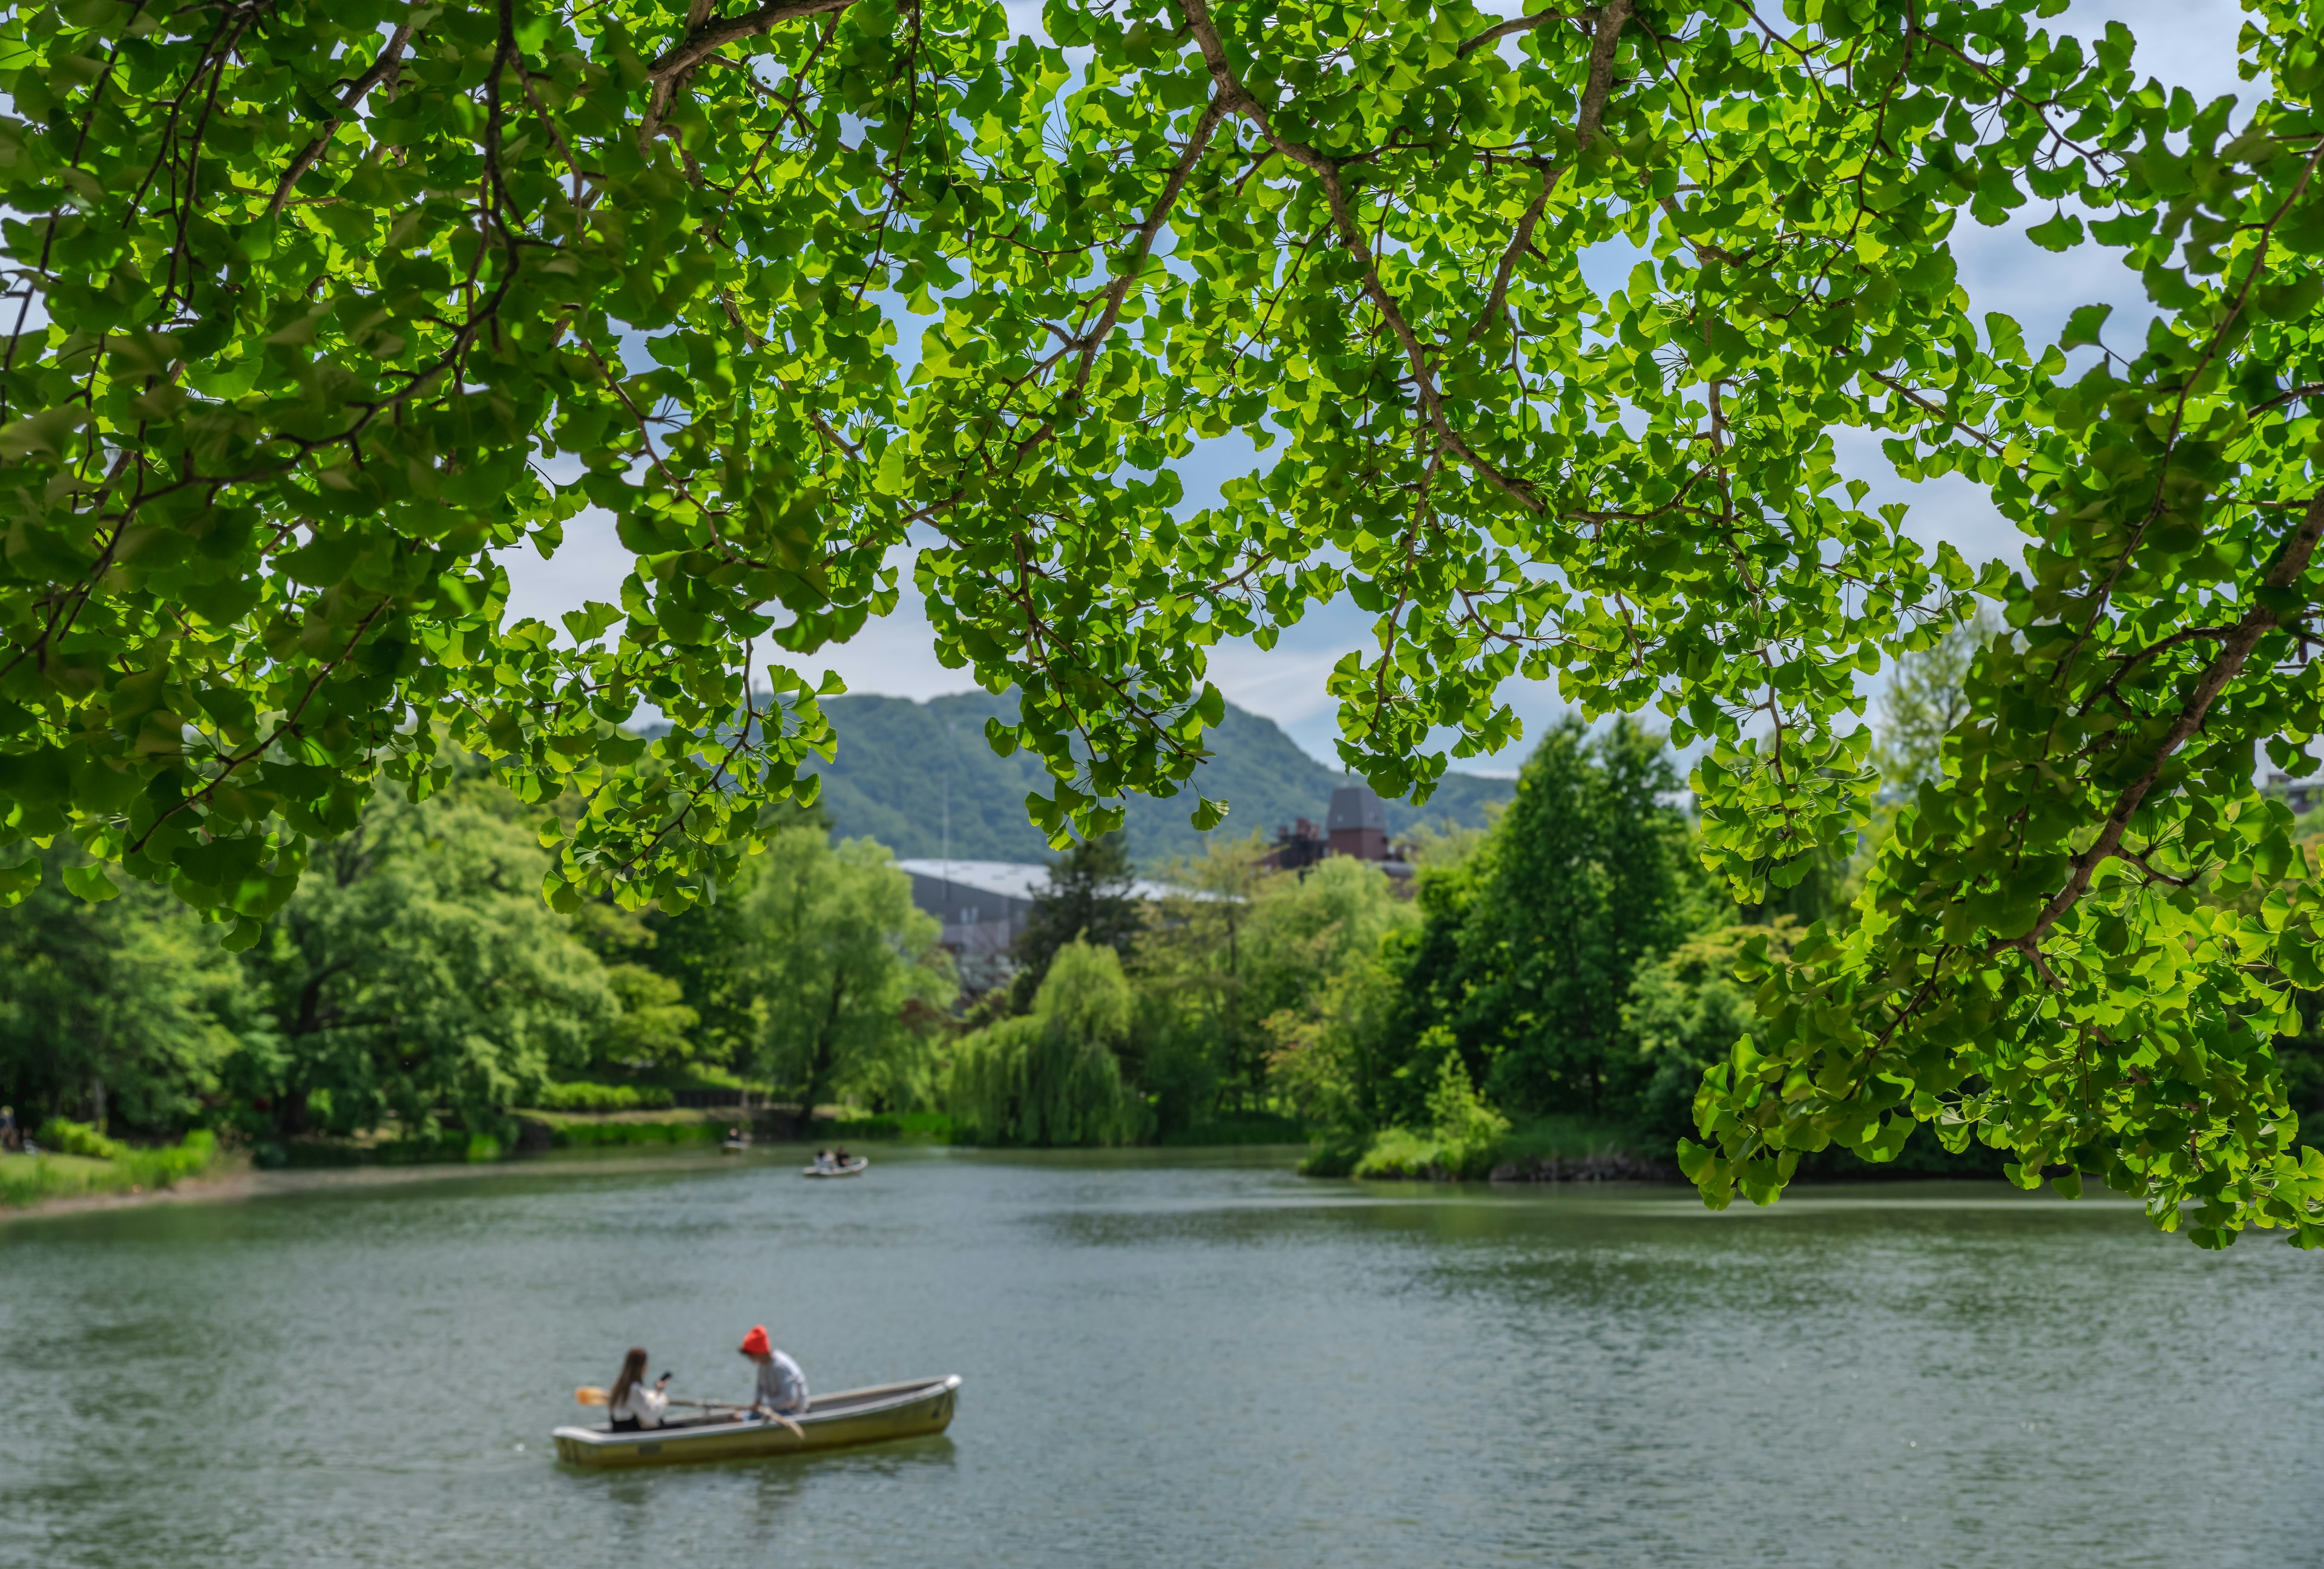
(590, 1395)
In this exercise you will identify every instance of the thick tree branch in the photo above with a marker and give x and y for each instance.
(1608, 33)
(2235, 649)
(708, 37)
(1514, 24)
(1238, 99)
(356, 92)
(1143, 246)
(1601, 71)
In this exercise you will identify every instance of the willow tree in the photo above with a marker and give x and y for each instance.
(319, 307)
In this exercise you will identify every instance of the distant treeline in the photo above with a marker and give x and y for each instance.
(1552, 995)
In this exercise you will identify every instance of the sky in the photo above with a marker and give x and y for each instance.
(2185, 43)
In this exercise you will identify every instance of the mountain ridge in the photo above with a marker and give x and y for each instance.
(905, 767)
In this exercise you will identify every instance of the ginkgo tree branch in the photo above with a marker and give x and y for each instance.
(1326, 170)
(2266, 615)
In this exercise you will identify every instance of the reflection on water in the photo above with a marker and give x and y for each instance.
(1181, 1360)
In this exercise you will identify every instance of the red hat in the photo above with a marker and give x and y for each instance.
(755, 1344)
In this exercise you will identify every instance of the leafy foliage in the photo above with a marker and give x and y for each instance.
(1090, 898)
(332, 304)
(1053, 1076)
(1926, 698)
(127, 1009)
(417, 969)
(838, 968)
(1528, 951)
(579, 1095)
(1685, 1010)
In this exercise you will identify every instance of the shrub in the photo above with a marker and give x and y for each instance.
(588, 1097)
(600, 1135)
(1336, 1153)
(1467, 1130)
(28, 1180)
(66, 1137)
(1401, 1152)
(928, 1126)
(1461, 1143)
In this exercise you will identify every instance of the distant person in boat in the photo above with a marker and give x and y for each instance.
(782, 1388)
(633, 1405)
(823, 1161)
(839, 1159)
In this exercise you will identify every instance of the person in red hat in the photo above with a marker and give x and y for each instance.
(782, 1392)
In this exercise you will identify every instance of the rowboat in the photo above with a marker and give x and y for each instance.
(918, 1408)
(852, 1169)
(735, 1147)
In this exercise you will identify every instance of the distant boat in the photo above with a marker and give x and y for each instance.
(846, 1169)
(735, 1146)
(918, 1408)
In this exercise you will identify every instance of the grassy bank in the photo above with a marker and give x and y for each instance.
(533, 1131)
(1546, 1148)
(901, 1127)
(1570, 1149)
(27, 1179)
(699, 1130)
(537, 1129)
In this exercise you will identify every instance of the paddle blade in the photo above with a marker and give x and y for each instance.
(589, 1395)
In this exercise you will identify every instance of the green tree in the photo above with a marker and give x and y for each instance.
(1334, 1060)
(1528, 953)
(122, 1012)
(1053, 1076)
(1926, 700)
(1685, 1010)
(654, 1027)
(1090, 898)
(837, 969)
(1465, 1126)
(1234, 963)
(417, 976)
(1197, 1028)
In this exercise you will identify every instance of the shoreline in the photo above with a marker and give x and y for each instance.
(246, 1182)
(236, 1179)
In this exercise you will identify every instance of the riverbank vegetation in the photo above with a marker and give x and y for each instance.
(74, 1159)
(1543, 999)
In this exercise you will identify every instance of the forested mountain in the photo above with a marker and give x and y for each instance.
(901, 764)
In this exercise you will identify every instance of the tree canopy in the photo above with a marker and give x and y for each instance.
(1527, 954)
(320, 307)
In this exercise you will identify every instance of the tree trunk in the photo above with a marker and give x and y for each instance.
(819, 1061)
(96, 1104)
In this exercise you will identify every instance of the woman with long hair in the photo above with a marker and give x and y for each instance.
(633, 1406)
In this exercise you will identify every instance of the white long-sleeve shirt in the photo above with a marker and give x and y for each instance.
(643, 1402)
(781, 1386)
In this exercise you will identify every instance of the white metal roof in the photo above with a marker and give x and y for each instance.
(1010, 878)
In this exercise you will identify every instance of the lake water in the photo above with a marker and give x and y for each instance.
(1204, 1361)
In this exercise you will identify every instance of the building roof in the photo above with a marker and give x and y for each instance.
(1010, 878)
(1354, 806)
